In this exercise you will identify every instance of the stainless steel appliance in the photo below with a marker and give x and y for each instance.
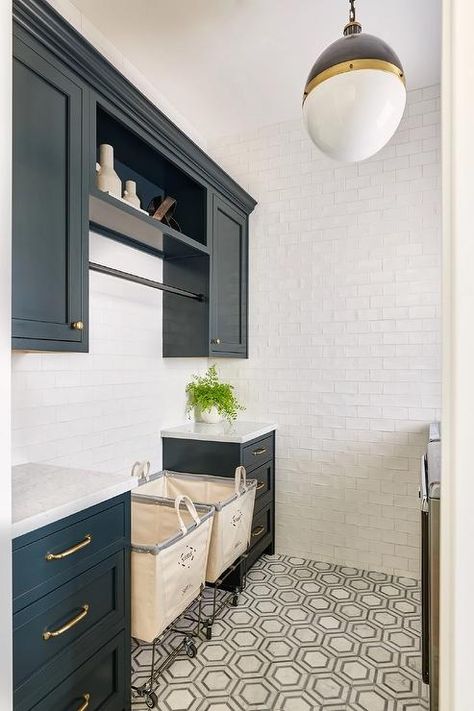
(430, 521)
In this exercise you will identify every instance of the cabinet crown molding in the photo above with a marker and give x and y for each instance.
(39, 19)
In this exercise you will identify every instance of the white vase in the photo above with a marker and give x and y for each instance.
(130, 193)
(211, 416)
(107, 179)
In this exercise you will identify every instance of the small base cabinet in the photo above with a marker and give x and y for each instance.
(221, 459)
(71, 612)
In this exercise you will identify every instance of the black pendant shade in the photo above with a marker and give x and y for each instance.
(352, 48)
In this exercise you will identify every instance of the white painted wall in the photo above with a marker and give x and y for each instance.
(457, 524)
(125, 65)
(345, 332)
(5, 349)
(104, 409)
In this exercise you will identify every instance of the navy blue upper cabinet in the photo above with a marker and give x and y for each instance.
(50, 220)
(229, 280)
(68, 100)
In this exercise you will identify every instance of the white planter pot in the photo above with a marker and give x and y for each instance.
(211, 416)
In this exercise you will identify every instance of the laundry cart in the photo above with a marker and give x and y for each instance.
(233, 500)
(170, 548)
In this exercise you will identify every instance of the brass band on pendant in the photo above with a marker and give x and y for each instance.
(351, 66)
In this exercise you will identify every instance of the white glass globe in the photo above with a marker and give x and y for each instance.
(351, 116)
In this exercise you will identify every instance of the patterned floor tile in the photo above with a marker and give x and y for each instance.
(306, 636)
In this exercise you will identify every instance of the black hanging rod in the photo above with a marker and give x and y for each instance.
(102, 269)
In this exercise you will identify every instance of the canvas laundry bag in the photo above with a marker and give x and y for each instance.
(170, 547)
(233, 500)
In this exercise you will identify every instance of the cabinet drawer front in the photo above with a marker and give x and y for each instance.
(257, 453)
(264, 477)
(59, 554)
(100, 681)
(262, 526)
(50, 631)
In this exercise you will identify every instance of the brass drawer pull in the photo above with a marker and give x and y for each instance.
(258, 452)
(260, 485)
(84, 706)
(70, 551)
(216, 341)
(72, 623)
(77, 325)
(258, 531)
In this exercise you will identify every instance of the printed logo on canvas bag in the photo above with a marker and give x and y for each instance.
(236, 518)
(187, 557)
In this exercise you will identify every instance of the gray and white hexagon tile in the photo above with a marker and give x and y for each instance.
(306, 636)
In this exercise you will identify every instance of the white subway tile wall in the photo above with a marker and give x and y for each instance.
(104, 409)
(345, 332)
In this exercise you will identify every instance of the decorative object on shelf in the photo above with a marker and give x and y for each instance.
(210, 399)
(107, 179)
(162, 209)
(130, 194)
(355, 95)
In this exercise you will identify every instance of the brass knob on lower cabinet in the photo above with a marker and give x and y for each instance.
(77, 325)
(215, 341)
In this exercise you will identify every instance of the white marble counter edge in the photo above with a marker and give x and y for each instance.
(38, 520)
(220, 436)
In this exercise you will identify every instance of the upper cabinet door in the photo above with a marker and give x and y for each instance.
(229, 279)
(50, 222)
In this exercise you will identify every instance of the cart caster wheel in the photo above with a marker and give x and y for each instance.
(209, 632)
(235, 600)
(152, 701)
(191, 650)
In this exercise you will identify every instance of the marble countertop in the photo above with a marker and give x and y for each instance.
(238, 432)
(43, 494)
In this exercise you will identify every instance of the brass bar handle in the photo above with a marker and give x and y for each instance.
(69, 551)
(258, 452)
(85, 705)
(69, 625)
(260, 485)
(258, 531)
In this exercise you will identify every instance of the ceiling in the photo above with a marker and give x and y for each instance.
(230, 66)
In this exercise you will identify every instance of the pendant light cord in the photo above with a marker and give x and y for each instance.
(352, 12)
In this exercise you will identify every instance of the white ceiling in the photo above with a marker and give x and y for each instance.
(232, 65)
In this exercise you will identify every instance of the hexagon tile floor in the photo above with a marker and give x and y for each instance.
(306, 636)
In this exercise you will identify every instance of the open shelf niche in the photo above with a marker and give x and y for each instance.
(155, 175)
(185, 254)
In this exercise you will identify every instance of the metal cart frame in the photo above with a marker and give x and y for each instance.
(147, 690)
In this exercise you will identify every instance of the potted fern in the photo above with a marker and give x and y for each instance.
(210, 399)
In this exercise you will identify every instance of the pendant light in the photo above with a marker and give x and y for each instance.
(355, 95)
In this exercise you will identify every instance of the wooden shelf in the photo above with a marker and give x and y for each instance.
(123, 223)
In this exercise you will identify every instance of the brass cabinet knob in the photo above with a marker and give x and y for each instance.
(85, 705)
(77, 325)
(216, 341)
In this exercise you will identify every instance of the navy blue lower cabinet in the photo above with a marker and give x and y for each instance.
(101, 682)
(221, 459)
(71, 622)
